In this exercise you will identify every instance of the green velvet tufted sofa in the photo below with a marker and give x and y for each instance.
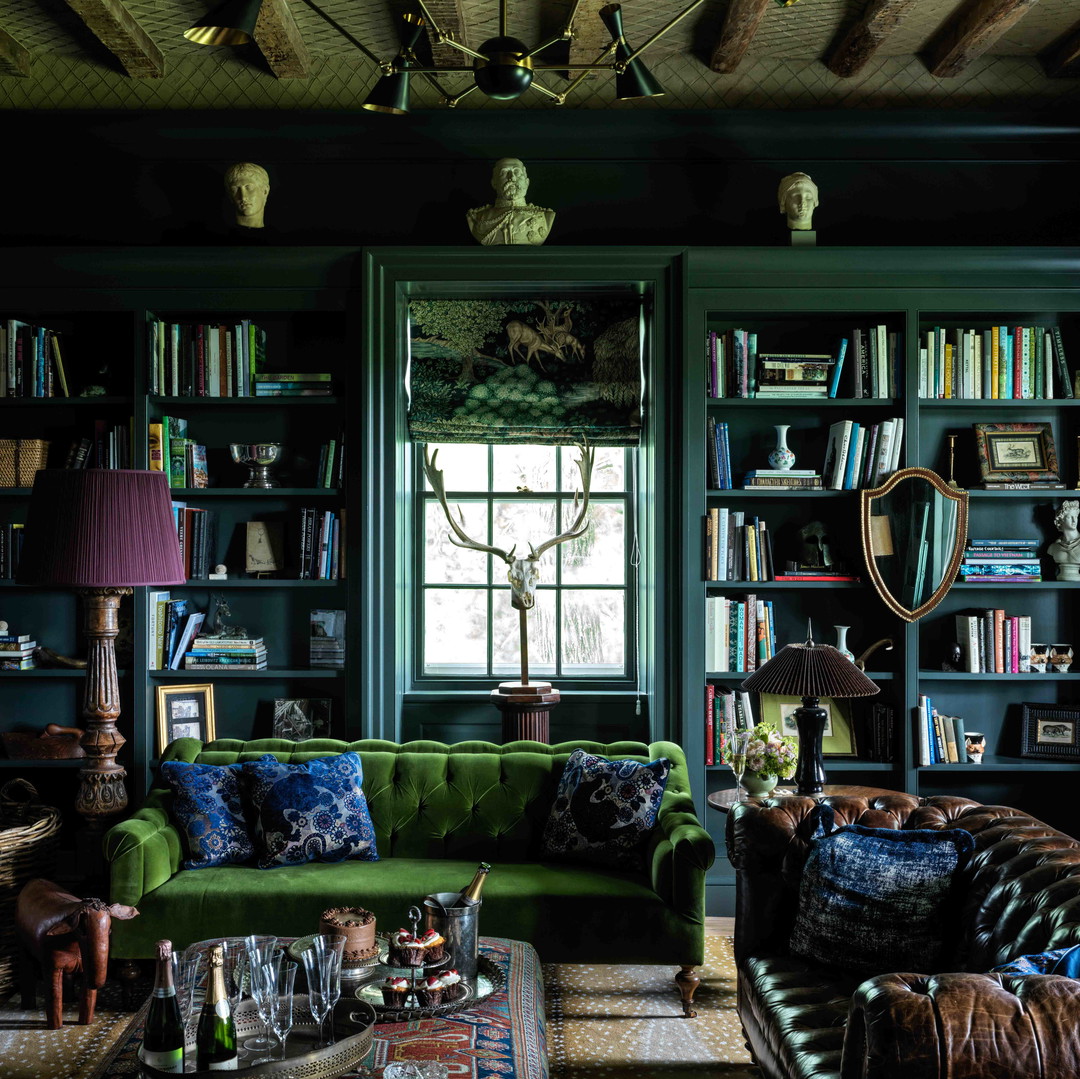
(437, 810)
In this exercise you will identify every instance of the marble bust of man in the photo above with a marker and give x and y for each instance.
(510, 219)
(1065, 550)
(798, 198)
(248, 186)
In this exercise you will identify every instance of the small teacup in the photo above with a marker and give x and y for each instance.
(1040, 657)
(1061, 657)
(974, 746)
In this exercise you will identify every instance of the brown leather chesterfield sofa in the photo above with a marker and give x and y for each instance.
(1021, 895)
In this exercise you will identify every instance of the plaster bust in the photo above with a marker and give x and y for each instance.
(798, 198)
(248, 186)
(1066, 548)
(510, 219)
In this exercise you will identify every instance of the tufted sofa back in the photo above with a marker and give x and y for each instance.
(1021, 890)
(470, 800)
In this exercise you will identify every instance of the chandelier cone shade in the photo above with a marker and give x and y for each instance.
(231, 23)
(634, 80)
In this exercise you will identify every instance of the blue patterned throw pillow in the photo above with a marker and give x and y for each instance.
(881, 900)
(208, 808)
(310, 812)
(604, 810)
(1063, 961)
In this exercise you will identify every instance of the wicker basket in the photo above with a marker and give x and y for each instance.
(28, 838)
(20, 458)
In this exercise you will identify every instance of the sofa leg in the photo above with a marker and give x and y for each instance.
(687, 981)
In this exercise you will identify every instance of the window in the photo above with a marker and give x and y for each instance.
(581, 626)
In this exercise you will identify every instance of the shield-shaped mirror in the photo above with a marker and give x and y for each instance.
(914, 528)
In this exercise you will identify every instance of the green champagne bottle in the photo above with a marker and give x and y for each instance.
(215, 1041)
(163, 1036)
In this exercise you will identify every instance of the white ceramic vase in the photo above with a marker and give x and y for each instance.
(781, 458)
(841, 642)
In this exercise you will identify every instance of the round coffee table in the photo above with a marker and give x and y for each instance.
(725, 799)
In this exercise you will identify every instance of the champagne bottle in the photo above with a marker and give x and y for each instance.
(470, 895)
(163, 1036)
(215, 1041)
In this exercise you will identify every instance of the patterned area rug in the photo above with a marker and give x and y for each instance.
(603, 1022)
(607, 1022)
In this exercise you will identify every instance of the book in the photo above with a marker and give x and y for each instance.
(832, 471)
(191, 628)
(292, 376)
(22, 664)
(841, 353)
(189, 666)
(157, 600)
(1060, 363)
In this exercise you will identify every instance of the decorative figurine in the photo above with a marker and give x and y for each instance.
(218, 627)
(1040, 657)
(1061, 657)
(953, 657)
(1066, 548)
(798, 198)
(816, 550)
(952, 463)
(221, 573)
(248, 186)
(510, 219)
(975, 746)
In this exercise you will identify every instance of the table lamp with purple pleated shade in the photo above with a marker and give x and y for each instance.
(102, 532)
(810, 671)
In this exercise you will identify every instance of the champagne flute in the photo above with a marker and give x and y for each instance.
(738, 741)
(322, 967)
(263, 954)
(281, 1011)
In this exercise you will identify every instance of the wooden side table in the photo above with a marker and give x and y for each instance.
(725, 799)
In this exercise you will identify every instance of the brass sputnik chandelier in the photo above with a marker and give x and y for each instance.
(503, 67)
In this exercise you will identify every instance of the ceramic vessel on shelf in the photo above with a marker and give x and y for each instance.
(781, 458)
(757, 786)
(1061, 657)
(260, 457)
(841, 642)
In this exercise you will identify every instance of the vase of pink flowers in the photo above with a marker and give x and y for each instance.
(770, 757)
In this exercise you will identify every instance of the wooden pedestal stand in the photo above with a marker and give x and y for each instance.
(525, 710)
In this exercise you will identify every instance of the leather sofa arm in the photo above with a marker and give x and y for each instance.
(963, 1026)
(143, 851)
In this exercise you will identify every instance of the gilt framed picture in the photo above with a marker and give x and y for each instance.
(1016, 452)
(1050, 731)
(838, 740)
(185, 712)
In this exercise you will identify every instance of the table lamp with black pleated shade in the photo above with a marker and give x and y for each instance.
(810, 671)
(102, 532)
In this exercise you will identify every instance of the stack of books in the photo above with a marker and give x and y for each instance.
(726, 711)
(859, 455)
(941, 737)
(226, 654)
(993, 642)
(786, 374)
(293, 384)
(740, 634)
(793, 479)
(718, 450)
(327, 642)
(1001, 561)
(17, 652)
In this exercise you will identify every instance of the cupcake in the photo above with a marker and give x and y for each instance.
(450, 980)
(394, 991)
(430, 991)
(404, 950)
(434, 950)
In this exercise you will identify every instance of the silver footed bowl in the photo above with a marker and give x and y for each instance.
(260, 457)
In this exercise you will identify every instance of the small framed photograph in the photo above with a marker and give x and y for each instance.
(838, 740)
(299, 718)
(185, 712)
(1016, 452)
(1050, 731)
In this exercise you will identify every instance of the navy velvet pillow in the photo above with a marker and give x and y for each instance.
(604, 810)
(310, 812)
(208, 808)
(880, 900)
(1063, 961)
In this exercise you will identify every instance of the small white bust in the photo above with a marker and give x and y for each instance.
(798, 199)
(510, 219)
(1065, 550)
(248, 186)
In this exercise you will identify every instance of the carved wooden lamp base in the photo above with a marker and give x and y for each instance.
(525, 710)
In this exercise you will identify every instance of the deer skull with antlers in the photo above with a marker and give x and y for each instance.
(523, 573)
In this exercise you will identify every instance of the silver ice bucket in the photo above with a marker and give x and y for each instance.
(461, 928)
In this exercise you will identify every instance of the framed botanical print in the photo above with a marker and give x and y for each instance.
(838, 739)
(185, 712)
(1016, 452)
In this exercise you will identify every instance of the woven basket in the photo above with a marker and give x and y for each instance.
(29, 833)
(20, 458)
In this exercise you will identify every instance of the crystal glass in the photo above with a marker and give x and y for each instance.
(322, 967)
(737, 742)
(185, 968)
(281, 1008)
(262, 957)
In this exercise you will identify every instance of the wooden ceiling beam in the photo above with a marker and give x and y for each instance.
(969, 32)
(280, 41)
(115, 27)
(740, 25)
(1061, 59)
(878, 21)
(451, 19)
(14, 59)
